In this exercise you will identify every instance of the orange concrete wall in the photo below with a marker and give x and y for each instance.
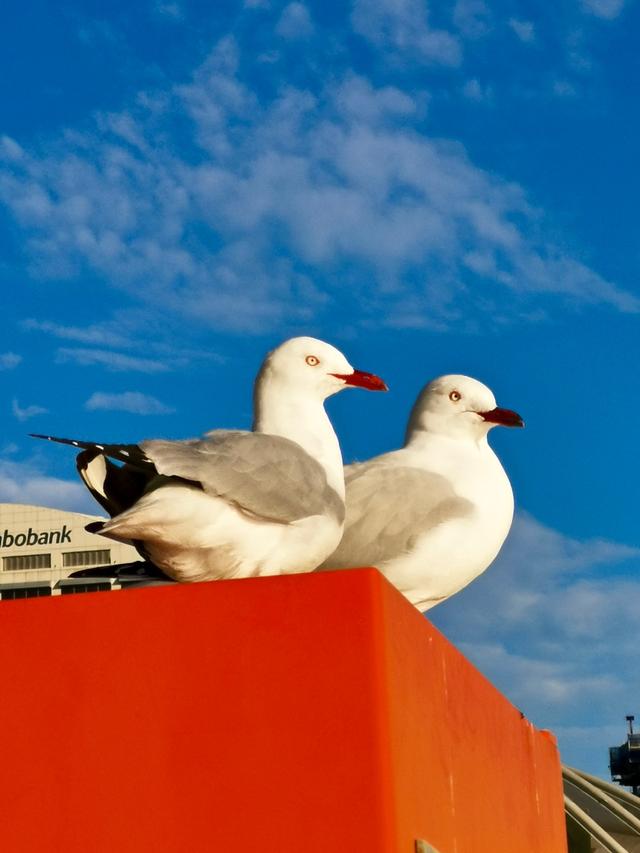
(469, 772)
(317, 713)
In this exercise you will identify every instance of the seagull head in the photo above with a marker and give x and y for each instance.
(459, 407)
(311, 366)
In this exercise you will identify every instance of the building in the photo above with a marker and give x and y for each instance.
(601, 817)
(40, 547)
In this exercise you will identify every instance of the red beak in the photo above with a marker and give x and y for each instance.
(362, 380)
(504, 417)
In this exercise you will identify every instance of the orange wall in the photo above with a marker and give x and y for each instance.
(315, 713)
(469, 773)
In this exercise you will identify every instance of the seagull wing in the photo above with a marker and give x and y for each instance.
(266, 476)
(388, 509)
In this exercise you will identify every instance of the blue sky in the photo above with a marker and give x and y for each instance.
(435, 188)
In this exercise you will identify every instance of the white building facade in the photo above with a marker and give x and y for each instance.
(40, 547)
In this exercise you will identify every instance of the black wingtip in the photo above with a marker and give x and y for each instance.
(94, 526)
(127, 453)
(72, 442)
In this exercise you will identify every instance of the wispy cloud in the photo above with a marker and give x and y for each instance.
(9, 360)
(536, 683)
(607, 9)
(295, 22)
(552, 623)
(159, 335)
(172, 11)
(23, 483)
(475, 91)
(525, 30)
(100, 335)
(96, 33)
(402, 27)
(344, 181)
(133, 402)
(564, 89)
(23, 414)
(114, 361)
(472, 18)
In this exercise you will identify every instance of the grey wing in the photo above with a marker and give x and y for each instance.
(388, 509)
(265, 475)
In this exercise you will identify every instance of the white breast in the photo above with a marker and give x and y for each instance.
(448, 557)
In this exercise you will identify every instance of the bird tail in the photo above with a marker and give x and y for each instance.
(115, 487)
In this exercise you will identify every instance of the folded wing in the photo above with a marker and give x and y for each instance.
(266, 476)
(388, 509)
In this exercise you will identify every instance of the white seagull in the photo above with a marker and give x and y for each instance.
(236, 503)
(433, 515)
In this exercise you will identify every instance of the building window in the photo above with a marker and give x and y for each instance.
(73, 559)
(25, 592)
(26, 562)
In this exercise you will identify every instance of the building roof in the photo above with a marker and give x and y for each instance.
(605, 815)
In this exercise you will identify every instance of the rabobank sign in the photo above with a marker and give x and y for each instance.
(32, 537)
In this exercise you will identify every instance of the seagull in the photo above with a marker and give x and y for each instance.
(236, 503)
(432, 515)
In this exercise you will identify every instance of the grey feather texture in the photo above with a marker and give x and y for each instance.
(264, 475)
(389, 509)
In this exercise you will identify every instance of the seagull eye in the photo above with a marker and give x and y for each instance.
(454, 396)
(312, 361)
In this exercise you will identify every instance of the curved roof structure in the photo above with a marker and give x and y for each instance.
(601, 817)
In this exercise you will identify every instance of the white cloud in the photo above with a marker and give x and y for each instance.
(10, 150)
(525, 30)
(170, 10)
(563, 89)
(28, 411)
(402, 27)
(133, 402)
(553, 624)
(537, 685)
(475, 91)
(472, 18)
(23, 483)
(295, 22)
(101, 335)
(96, 33)
(9, 360)
(338, 180)
(143, 330)
(607, 9)
(115, 361)
(358, 102)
